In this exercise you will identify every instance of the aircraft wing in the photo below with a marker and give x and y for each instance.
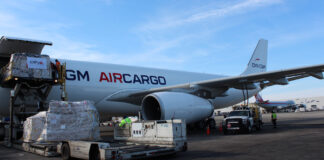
(221, 85)
(281, 77)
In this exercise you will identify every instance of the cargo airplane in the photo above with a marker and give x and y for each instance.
(271, 105)
(159, 94)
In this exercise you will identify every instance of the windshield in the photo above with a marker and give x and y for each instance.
(239, 113)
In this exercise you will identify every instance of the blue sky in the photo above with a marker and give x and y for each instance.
(209, 36)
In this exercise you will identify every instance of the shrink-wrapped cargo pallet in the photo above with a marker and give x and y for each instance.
(28, 66)
(33, 126)
(65, 121)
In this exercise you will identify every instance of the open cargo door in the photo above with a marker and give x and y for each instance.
(10, 45)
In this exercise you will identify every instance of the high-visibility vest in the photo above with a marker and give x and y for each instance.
(274, 116)
(58, 64)
(124, 121)
(128, 120)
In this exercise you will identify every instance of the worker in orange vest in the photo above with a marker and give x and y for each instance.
(58, 67)
(54, 71)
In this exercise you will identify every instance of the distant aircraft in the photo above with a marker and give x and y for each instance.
(159, 94)
(271, 105)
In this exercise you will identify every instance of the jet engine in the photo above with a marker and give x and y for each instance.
(176, 105)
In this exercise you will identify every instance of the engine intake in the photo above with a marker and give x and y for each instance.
(177, 105)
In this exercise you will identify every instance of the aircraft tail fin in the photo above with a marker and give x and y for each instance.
(258, 98)
(258, 61)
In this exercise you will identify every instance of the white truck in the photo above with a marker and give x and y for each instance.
(242, 119)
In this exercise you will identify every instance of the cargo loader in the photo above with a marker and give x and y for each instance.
(29, 77)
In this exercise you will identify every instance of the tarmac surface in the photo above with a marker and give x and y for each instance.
(297, 136)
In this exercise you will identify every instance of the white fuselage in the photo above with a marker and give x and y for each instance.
(276, 104)
(98, 81)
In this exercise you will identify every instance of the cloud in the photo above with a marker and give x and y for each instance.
(67, 48)
(156, 46)
(170, 21)
(12, 25)
(189, 25)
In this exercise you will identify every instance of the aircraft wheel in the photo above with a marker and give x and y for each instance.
(94, 153)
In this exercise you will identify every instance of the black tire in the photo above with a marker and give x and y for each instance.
(65, 152)
(94, 153)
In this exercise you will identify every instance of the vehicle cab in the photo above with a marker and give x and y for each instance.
(238, 120)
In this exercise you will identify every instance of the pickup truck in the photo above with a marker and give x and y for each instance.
(242, 120)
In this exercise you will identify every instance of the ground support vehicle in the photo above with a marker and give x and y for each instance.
(106, 150)
(139, 140)
(30, 76)
(243, 119)
(143, 139)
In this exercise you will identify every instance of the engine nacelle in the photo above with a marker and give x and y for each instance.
(177, 105)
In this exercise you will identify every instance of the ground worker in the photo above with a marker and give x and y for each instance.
(54, 71)
(126, 120)
(274, 119)
(58, 67)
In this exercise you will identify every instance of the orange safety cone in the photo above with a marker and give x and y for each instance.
(208, 130)
(220, 127)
